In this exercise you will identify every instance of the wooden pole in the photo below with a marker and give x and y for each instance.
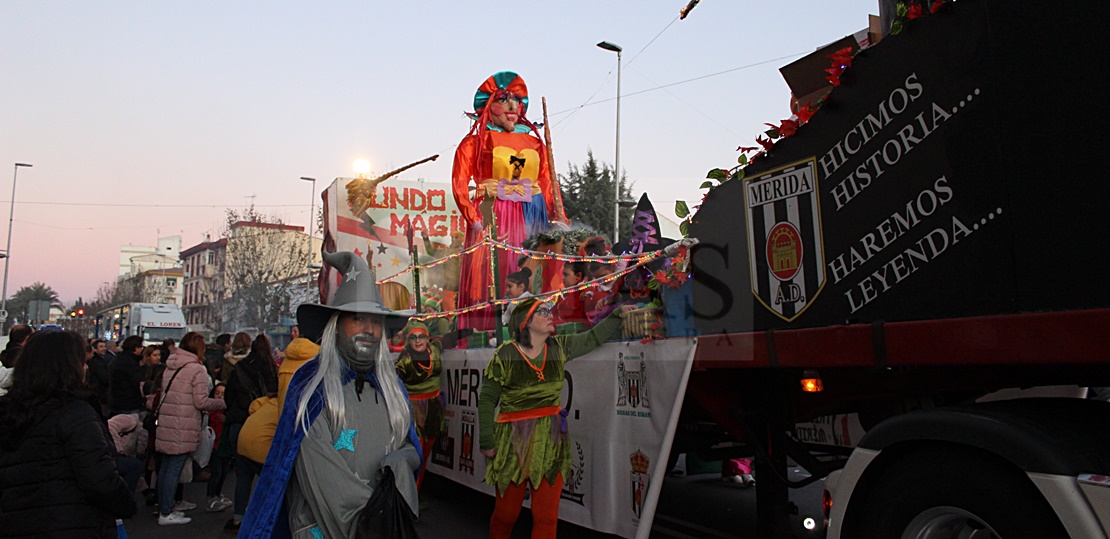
(415, 278)
(560, 214)
(495, 283)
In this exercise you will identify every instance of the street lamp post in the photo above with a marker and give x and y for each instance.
(8, 251)
(311, 229)
(617, 165)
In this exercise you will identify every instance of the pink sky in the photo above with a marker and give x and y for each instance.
(148, 119)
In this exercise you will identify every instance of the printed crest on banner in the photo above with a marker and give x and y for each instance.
(443, 452)
(786, 249)
(640, 480)
(632, 386)
(466, 453)
(572, 486)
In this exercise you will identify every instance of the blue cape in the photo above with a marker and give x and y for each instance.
(267, 515)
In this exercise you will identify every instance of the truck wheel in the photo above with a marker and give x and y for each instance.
(952, 492)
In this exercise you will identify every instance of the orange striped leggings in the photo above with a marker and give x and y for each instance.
(545, 509)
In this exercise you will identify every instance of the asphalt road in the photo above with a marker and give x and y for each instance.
(700, 506)
(454, 511)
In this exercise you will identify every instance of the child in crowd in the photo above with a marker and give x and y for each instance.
(221, 461)
(516, 287)
(570, 308)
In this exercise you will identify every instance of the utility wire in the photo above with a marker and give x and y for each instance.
(609, 77)
(129, 227)
(692, 107)
(633, 59)
(682, 82)
(113, 205)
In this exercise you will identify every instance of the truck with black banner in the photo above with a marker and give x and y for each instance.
(934, 233)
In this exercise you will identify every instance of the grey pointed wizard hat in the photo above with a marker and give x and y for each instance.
(357, 293)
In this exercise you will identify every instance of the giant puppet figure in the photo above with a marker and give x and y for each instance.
(504, 156)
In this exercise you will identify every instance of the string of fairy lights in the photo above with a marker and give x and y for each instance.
(641, 259)
(536, 255)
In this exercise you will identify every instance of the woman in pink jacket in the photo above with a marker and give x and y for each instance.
(185, 384)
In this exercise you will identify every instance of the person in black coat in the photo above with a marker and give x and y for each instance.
(214, 355)
(58, 475)
(255, 376)
(126, 377)
(97, 376)
(16, 337)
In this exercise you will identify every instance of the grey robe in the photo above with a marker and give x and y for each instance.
(330, 483)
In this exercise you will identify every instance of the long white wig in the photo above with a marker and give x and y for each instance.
(330, 374)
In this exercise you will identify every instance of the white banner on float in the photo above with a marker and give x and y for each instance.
(623, 401)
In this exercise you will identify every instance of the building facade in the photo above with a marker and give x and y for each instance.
(203, 266)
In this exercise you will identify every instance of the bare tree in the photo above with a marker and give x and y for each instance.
(264, 270)
(116, 293)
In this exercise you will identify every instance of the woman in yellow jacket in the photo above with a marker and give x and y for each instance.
(258, 430)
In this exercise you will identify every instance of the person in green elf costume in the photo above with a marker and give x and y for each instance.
(419, 366)
(433, 303)
(527, 443)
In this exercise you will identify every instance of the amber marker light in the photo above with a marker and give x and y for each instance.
(811, 382)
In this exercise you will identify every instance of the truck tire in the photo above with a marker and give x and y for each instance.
(949, 492)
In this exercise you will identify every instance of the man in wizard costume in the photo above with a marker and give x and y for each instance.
(345, 420)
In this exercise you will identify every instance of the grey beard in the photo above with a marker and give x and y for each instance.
(360, 358)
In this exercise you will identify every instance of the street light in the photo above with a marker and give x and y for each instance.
(7, 252)
(311, 229)
(617, 177)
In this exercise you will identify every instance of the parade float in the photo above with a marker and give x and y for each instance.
(900, 248)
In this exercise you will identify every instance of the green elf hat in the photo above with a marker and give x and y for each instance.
(435, 301)
(414, 328)
(504, 80)
(522, 313)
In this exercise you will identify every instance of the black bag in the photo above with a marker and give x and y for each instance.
(386, 514)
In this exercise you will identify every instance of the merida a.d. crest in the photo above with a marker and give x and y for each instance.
(785, 248)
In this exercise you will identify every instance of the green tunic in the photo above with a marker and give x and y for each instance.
(513, 382)
(421, 380)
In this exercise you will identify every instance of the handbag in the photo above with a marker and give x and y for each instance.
(150, 422)
(203, 453)
(386, 514)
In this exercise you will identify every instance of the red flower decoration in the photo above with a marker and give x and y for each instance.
(766, 143)
(914, 11)
(787, 128)
(661, 277)
(680, 278)
(936, 6)
(842, 58)
(746, 149)
(804, 114)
